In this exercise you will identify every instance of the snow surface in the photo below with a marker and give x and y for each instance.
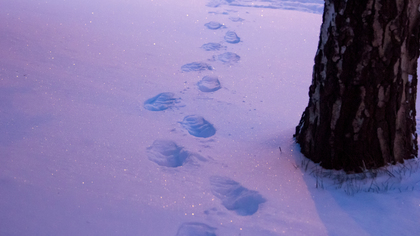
(101, 124)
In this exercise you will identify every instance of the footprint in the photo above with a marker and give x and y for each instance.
(217, 3)
(196, 66)
(196, 229)
(209, 211)
(236, 19)
(212, 46)
(312, 6)
(213, 25)
(161, 102)
(232, 37)
(209, 84)
(198, 126)
(228, 57)
(234, 196)
(167, 153)
(218, 13)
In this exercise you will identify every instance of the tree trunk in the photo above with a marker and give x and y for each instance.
(361, 111)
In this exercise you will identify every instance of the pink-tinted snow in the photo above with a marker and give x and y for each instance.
(75, 134)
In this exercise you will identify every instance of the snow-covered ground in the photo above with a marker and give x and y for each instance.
(159, 117)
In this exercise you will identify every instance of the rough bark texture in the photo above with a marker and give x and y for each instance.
(361, 111)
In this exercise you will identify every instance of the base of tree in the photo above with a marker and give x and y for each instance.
(401, 177)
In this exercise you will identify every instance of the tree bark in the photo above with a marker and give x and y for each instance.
(361, 111)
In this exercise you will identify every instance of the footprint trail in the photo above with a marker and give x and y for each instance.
(161, 102)
(235, 197)
(228, 57)
(196, 229)
(214, 25)
(212, 46)
(232, 37)
(167, 153)
(196, 66)
(197, 126)
(209, 84)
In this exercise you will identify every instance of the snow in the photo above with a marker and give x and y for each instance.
(103, 131)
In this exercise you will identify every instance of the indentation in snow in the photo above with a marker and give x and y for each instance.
(196, 229)
(198, 126)
(213, 25)
(196, 66)
(228, 57)
(232, 37)
(161, 102)
(236, 19)
(209, 84)
(312, 6)
(167, 153)
(234, 196)
(212, 46)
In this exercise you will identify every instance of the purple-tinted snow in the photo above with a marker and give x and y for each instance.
(90, 144)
